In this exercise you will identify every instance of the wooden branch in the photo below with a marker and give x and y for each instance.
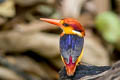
(12, 68)
(82, 71)
(39, 70)
(42, 43)
(6, 74)
(91, 72)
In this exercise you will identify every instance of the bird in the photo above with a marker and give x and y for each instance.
(71, 42)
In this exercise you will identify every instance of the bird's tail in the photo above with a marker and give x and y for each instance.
(70, 68)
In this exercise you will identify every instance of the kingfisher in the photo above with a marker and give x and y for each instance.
(71, 42)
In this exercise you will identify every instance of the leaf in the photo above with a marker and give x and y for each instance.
(108, 25)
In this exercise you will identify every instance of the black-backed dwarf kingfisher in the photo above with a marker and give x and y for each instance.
(71, 42)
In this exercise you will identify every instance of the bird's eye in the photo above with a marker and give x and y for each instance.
(65, 24)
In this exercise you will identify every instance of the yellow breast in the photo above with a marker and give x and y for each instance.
(68, 30)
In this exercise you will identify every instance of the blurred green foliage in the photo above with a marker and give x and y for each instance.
(108, 25)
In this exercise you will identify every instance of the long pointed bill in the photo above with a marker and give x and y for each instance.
(52, 21)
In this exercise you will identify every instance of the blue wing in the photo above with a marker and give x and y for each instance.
(71, 45)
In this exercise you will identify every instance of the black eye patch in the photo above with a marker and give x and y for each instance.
(65, 24)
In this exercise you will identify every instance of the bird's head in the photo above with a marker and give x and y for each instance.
(68, 25)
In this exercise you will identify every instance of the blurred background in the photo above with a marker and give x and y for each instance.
(29, 48)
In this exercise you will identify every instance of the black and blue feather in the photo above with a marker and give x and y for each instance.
(71, 45)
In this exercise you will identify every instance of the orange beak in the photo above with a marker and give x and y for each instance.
(52, 21)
